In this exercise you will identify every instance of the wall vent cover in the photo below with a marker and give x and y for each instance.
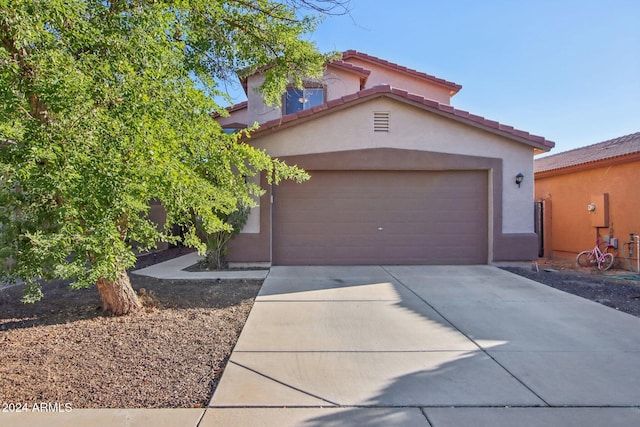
(381, 120)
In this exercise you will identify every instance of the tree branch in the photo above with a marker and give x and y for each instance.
(38, 108)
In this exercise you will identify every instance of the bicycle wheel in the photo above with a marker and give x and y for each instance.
(585, 259)
(606, 262)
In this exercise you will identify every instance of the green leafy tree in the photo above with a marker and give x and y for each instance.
(105, 105)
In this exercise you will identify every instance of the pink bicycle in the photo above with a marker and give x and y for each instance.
(596, 256)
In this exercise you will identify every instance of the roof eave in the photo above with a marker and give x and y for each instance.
(600, 163)
(446, 111)
(453, 87)
(491, 126)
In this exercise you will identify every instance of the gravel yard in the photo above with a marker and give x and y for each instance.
(618, 289)
(63, 349)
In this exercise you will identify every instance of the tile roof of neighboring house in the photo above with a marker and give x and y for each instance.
(454, 87)
(617, 147)
(424, 103)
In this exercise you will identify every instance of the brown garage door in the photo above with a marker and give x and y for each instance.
(382, 217)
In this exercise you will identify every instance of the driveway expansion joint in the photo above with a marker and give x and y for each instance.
(483, 350)
(299, 390)
(405, 355)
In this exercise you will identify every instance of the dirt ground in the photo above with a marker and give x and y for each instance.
(615, 288)
(64, 350)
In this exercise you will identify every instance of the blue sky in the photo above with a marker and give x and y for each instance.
(566, 70)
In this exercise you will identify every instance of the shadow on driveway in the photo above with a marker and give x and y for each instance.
(410, 340)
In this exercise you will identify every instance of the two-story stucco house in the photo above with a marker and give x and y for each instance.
(398, 175)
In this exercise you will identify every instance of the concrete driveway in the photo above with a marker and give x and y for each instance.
(427, 346)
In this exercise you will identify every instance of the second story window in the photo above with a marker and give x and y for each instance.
(302, 99)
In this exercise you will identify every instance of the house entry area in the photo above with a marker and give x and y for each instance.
(382, 217)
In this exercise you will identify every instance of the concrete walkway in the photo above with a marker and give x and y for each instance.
(411, 346)
(174, 269)
(427, 346)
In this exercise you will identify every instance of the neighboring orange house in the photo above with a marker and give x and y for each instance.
(589, 190)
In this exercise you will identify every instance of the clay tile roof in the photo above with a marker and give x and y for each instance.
(350, 67)
(232, 108)
(237, 107)
(617, 147)
(454, 87)
(427, 104)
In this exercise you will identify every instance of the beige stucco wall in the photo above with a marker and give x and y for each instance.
(415, 129)
(253, 221)
(239, 116)
(381, 76)
(258, 110)
(340, 83)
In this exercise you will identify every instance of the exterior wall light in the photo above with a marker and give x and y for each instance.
(519, 179)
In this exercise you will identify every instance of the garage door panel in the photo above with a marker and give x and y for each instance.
(382, 217)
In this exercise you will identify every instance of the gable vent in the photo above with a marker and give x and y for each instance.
(381, 120)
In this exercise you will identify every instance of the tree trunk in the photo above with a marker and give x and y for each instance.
(118, 297)
(217, 250)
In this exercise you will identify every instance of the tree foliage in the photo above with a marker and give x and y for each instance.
(216, 243)
(105, 106)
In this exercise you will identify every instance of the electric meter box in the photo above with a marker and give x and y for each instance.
(600, 215)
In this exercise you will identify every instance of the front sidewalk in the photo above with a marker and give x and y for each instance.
(105, 418)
